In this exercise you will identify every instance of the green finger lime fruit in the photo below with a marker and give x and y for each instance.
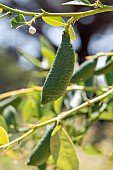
(61, 72)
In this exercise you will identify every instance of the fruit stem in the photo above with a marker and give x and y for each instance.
(70, 20)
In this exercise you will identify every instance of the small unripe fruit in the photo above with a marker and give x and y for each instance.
(61, 72)
(32, 30)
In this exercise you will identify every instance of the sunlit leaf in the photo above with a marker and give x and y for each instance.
(91, 150)
(111, 155)
(3, 136)
(29, 57)
(17, 21)
(106, 115)
(45, 43)
(55, 143)
(54, 21)
(48, 54)
(28, 110)
(67, 158)
(78, 2)
(1, 10)
(50, 160)
(72, 33)
(48, 116)
(3, 122)
(58, 104)
(39, 74)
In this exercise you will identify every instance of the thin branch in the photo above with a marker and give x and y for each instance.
(19, 92)
(5, 15)
(77, 15)
(58, 118)
(39, 88)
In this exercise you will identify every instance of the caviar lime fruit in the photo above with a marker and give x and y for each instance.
(61, 72)
(105, 69)
(84, 71)
(41, 151)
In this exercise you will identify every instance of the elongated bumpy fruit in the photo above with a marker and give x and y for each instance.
(84, 71)
(61, 72)
(41, 151)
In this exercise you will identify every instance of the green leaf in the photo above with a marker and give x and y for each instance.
(85, 1)
(109, 77)
(13, 100)
(3, 122)
(47, 50)
(57, 105)
(54, 21)
(48, 116)
(106, 116)
(111, 155)
(1, 10)
(67, 158)
(78, 2)
(45, 43)
(3, 136)
(91, 150)
(39, 74)
(29, 57)
(28, 110)
(17, 21)
(72, 33)
(42, 167)
(9, 113)
(48, 54)
(55, 143)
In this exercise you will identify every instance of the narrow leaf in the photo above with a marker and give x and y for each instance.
(78, 2)
(67, 159)
(28, 110)
(49, 55)
(109, 77)
(84, 1)
(91, 150)
(3, 122)
(3, 136)
(54, 21)
(55, 143)
(17, 21)
(29, 57)
(45, 43)
(72, 33)
(58, 105)
(107, 115)
(111, 155)
(1, 10)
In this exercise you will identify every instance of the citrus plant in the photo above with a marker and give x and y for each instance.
(46, 106)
